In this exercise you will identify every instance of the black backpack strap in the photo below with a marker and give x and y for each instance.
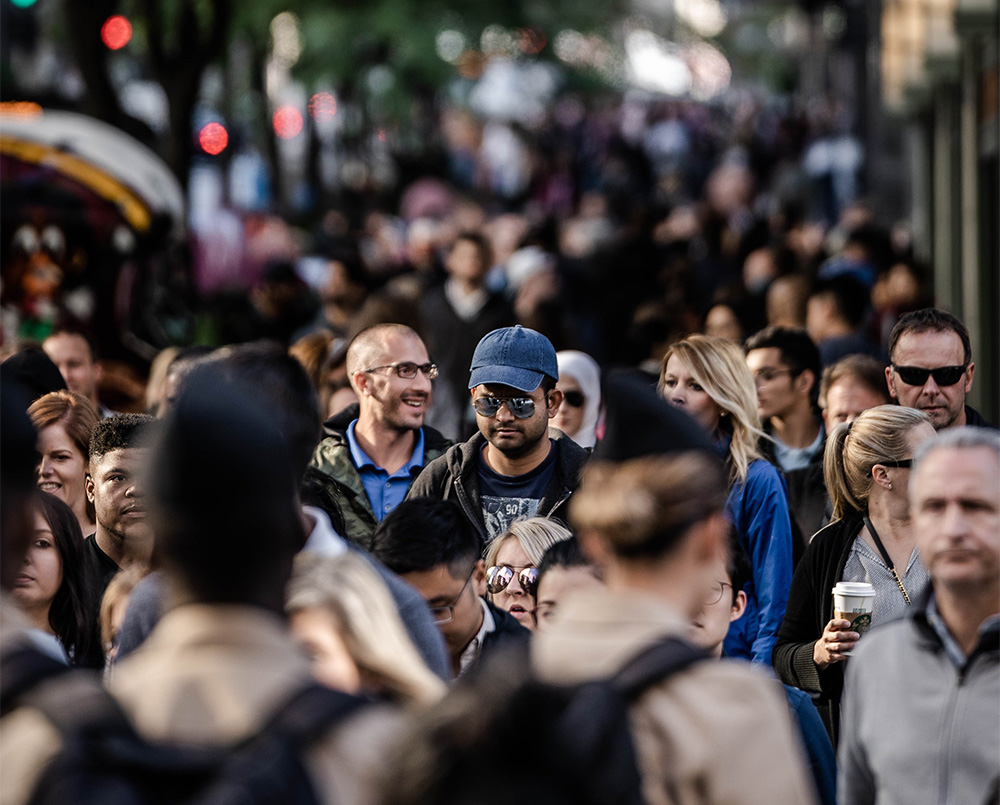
(21, 669)
(655, 663)
(311, 711)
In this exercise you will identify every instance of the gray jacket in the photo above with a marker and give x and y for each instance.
(917, 730)
(455, 476)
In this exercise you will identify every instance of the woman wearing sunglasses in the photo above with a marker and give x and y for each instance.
(866, 465)
(708, 378)
(580, 383)
(512, 565)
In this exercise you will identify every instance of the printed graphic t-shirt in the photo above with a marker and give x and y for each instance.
(507, 498)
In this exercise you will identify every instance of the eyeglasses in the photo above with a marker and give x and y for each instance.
(574, 398)
(520, 407)
(768, 373)
(715, 596)
(408, 370)
(446, 612)
(498, 577)
(917, 375)
(903, 462)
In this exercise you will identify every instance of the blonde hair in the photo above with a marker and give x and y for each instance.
(642, 508)
(720, 368)
(349, 588)
(536, 535)
(120, 586)
(853, 448)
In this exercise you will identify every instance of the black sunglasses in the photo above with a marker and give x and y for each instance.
(917, 375)
(520, 407)
(903, 463)
(498, 577)
(574, 398)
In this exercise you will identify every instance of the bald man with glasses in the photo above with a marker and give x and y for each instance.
(931, 368)
(372, 451)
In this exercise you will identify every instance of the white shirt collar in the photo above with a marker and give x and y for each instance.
(472, 650)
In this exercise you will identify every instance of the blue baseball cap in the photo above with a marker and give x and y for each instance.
(515, 357)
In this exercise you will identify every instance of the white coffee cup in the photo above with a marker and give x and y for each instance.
(852, 601)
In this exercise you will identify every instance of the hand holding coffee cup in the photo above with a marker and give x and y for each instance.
(852, 615)
(835, 644)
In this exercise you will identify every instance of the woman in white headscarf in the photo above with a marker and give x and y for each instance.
(580, 383)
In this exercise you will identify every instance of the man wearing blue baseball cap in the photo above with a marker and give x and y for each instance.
(515, 466)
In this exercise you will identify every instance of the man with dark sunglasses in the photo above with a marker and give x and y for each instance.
(516, 466)
(372, 451)
(931, 368)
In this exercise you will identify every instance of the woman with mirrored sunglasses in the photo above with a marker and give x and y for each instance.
(512, 565)
(580, 383)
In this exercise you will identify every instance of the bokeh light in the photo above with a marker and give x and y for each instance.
(287, 122)
(213, 138)
(116, 32)
(322, 107)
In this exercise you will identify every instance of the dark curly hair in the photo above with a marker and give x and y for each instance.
(119, 432)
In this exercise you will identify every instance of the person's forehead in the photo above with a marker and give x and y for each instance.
(402, 347)
(123, 457)
(929, 348)
(850, 390)
(961, 470)
(68, 345)
(558, 581)
(511, 552)
(764, 357)
(497, 390)
(435, 584)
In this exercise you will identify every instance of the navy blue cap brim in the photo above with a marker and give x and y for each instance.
(520, 379)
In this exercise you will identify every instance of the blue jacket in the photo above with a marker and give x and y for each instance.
(758, 508)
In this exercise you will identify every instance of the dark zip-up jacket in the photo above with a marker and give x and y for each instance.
(333, 459)
(455, 476)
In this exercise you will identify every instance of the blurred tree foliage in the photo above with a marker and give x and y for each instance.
(176, 41)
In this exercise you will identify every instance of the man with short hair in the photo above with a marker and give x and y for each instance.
(373, 450)
(850, 387)
(931, 369)
(516, 466)
(75, 355)
(114, 484)
(835, 317)
(431, 544)
(920, 704)
(785, 365)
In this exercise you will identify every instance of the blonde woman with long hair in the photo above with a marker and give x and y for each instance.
(708, 378)
(512, 565)
(341, 612)
(866, 464)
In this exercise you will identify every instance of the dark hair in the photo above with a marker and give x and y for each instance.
(849, 295)
(931, 319)
(565, 553)
(318, 490)
(424, 533)
(231, 541)
(738, 566)
(69, 617)
(868, 371)
(119, 432)
(547, 384)
(797, 350)
(280, 384)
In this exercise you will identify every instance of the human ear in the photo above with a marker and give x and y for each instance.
(88, 485)
(739, 606)
(479, 578)
(554, 400)
(890, 383)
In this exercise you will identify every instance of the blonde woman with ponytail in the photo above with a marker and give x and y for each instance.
(708, 378)
(866, 465)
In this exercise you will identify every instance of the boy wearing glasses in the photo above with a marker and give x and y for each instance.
(431, 545)
(931, 368)
(372, 451)
(515, 467)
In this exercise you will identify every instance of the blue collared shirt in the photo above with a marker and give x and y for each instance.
(385, 492)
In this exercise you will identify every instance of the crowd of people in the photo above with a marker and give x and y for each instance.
(197, 565)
